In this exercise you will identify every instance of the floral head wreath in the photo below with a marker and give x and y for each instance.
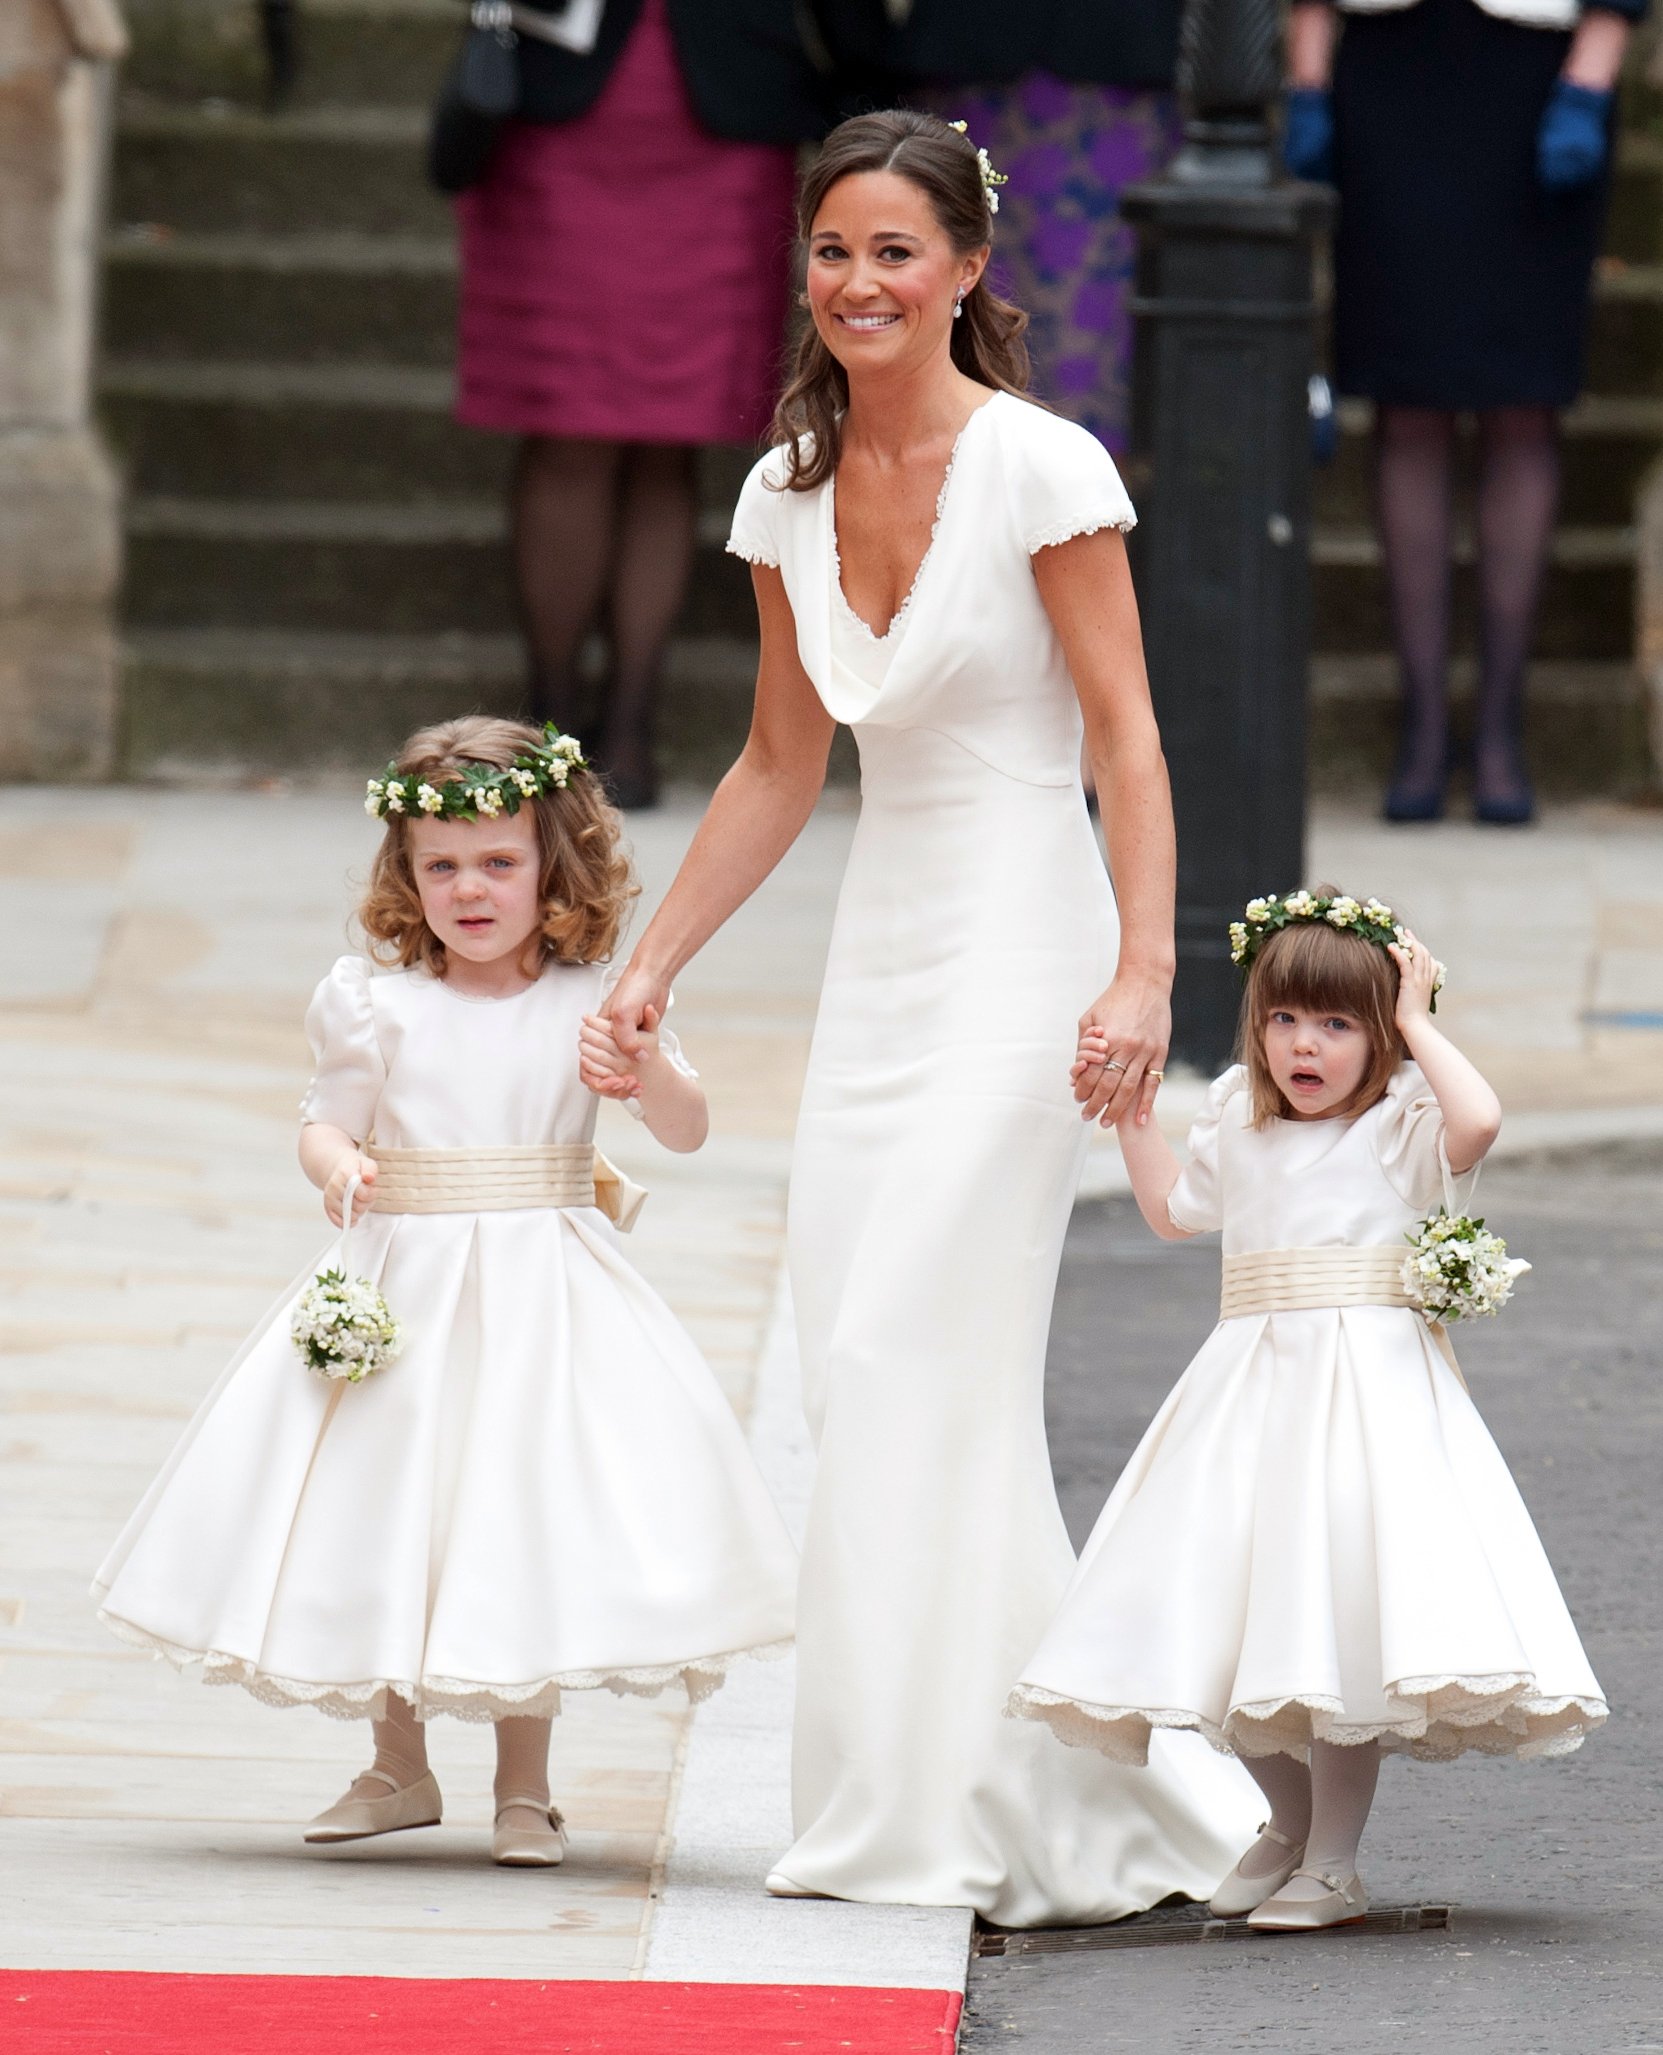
(479, 791)
(991, 180)
(1370, 919)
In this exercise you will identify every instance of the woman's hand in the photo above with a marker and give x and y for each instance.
(601, 1062)
(1123, 1045)
(637, 993)
(1417, 983)
(350, 1164)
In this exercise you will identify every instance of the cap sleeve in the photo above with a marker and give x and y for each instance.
(1409, 1135)
(1196, 1202)
(349, 1072)
(1063, 483)
(754, 536)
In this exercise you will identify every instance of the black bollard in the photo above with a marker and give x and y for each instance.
(1224, 349)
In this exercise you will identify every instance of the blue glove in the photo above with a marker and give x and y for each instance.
(1574, 138)
(1308, 132)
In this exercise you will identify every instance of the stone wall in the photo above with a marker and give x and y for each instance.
(60, 529)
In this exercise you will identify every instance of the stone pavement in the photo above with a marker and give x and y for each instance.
(159, 948)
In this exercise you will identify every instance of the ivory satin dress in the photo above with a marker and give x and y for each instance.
(938, 1153)
(545, 1491)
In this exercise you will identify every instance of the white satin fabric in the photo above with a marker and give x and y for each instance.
(545, 1491)
(1340, 1550)
(937, 1157)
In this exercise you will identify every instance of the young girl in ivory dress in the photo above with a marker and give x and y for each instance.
(1316, 1554)
(546, 1490)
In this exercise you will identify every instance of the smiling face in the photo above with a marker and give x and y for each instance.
(883, 276)
(480, 886)
(1316, 1060)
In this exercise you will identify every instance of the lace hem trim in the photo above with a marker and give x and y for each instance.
(899, 616)
(1433, 1719)
(1077, 524)
(456, 1698)
(751, 556)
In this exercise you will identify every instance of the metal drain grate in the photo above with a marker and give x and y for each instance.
(1169, 1930)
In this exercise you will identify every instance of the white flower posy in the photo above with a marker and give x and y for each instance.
(344, 1329)
(1456, 1269)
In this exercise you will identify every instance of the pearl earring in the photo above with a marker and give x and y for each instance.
(958, 305)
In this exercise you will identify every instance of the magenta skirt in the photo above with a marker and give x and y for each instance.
(625, 275)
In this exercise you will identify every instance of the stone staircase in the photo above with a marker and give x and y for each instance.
(316, 552)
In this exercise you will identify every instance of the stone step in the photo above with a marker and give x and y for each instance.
(390, 567)
(315, 431)
(353, 52)
(1610, 442)
(225, 169)
(217, 167)
(409, 567)
(1586, 730)
(227, 296)
(1587, 606)
(241, 703)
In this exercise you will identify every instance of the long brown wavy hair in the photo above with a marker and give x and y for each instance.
(1320, 969)
(987, 342)
(585, 882)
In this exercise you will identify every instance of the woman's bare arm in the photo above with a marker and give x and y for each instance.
(1086, 585)
(758, 811)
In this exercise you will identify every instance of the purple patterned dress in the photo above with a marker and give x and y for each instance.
(1063, 251)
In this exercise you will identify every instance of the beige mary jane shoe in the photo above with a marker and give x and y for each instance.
(1341, 1905)
(522, 1847)
(358, 1818)
(1238, 1893)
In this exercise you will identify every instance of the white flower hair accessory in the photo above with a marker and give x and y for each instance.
(1369, 918)
(991, 180)
(479, 791)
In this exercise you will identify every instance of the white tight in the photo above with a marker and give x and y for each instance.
(1325, 1805)
(522, 1753)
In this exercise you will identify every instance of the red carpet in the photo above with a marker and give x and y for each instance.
(84, 2012)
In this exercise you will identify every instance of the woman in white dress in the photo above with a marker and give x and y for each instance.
(938, 563)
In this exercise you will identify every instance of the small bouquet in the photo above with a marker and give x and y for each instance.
(343, 1328)
(1456, 1269)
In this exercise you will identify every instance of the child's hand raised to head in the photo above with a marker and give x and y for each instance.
(603, 1066)
(1417, 981)
(350, 1164)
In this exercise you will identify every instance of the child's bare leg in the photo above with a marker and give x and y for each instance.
(527, 1835)
(1286, 1783)
(1342, 1791)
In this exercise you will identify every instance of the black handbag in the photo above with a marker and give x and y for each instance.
(482, 91)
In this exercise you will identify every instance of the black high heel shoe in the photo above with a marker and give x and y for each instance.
(1514, 808)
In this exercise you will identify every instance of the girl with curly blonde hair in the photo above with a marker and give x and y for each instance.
(546, 1490)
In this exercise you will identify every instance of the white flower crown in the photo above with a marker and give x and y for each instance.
(1373, 920)
(479, 791)
(991, 180)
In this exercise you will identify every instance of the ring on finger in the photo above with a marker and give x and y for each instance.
(1113, 1065)
(1157, 1075)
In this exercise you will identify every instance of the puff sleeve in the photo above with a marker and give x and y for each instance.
(1063, 483)
(1196, 1202)
(754, 536)
(1410, 1138)
(349, 1071)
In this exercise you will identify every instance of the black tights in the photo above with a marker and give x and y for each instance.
(1518, 492)
(603, 530)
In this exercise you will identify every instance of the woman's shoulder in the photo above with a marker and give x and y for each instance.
(765, 502)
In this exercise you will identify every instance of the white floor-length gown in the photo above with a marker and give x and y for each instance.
(938, 1154)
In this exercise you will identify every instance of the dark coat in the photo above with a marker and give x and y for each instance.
(748, 64)
(989, 42)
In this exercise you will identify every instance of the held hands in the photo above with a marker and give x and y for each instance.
(601, 1061)
(351, 1163)
(1123, 1042)
(1417, 982)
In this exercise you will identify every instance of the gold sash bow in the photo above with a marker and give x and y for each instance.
(1307, 1280)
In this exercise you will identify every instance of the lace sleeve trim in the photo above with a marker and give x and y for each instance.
(1077, 524)
(735, 548)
